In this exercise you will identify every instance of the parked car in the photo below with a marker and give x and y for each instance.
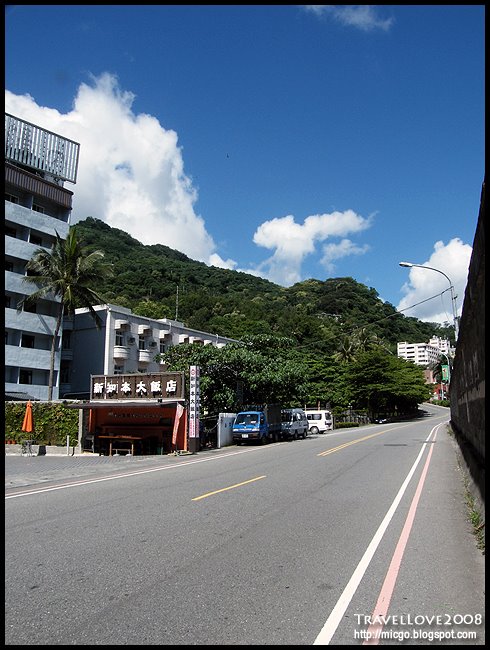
(293, 424)
(319, 421)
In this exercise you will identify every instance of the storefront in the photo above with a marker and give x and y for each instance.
(135, 414)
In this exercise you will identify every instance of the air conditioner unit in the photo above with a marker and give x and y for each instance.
(153, 344)
(131, 339)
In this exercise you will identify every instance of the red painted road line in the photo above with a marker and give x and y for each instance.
(381, 609)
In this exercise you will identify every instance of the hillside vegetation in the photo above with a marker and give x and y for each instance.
(322, 316)
(330, 342)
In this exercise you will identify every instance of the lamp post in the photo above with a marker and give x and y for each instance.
(453, 297)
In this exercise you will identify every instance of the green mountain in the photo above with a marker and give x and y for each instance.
(160, 282)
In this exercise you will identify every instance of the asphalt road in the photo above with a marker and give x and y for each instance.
(294, 543)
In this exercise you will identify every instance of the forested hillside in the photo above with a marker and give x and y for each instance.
(159, 282)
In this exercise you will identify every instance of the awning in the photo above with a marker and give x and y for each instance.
(123, 404)
(20, 397)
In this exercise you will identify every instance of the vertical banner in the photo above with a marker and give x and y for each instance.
(194, 402)
(178, 414)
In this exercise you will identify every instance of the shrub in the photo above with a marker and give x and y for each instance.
(52, 423)
(345, 425)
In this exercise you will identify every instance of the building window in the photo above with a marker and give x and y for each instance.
(8, 301)
(141, 342)
(11, 232)
(162, 347)
(66, 340)
(36, 240)
(30, 307)
(9, 266)
(6, 338)
(38, 208)
(11, 198)
(25, 376)
(64, 373)
(119, 338)
(27, 341)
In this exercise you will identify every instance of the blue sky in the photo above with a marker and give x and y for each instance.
(289, 141)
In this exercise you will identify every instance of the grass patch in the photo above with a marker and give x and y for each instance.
(475, 519)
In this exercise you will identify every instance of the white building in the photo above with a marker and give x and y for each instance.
(424, 354)
(441, 344)
(125, 343)
(37, 163)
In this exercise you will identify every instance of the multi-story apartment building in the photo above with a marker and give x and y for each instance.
(424, 354)
(125, 343)
(441, 344)
(37, 206)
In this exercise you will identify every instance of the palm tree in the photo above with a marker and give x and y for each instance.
(68, 272)
(351, 345)
(346, 349)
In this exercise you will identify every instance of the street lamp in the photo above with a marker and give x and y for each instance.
(453, 297)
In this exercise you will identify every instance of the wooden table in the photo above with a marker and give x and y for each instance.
(112, 438)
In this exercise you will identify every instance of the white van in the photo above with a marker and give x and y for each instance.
(293, 424)
(319, 421)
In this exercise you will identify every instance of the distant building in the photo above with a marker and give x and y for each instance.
(424, 354)
(441, 344)
(37, 206)
(125, 343)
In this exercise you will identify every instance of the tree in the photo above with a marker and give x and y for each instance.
(265, 368)
(68, 272)
(380, 382)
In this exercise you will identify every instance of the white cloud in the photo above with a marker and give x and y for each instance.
(363, 17)
(131, 171)
(131, 176)
(453, 260)
(216, 260)
(342, 249)
(293, 242)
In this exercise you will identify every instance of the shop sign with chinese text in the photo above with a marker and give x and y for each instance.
(194, 402)
(161, 385)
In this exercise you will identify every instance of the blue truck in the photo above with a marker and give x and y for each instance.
(258, 424)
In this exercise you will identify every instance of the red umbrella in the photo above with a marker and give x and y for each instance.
(28, 423)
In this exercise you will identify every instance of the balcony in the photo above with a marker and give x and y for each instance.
(121, 352)
(144, 356)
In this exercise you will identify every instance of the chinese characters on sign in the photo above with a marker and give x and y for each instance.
(194, 402)
(166, 385)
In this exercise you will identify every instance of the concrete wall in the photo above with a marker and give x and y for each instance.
(41, 450)
(468, 376)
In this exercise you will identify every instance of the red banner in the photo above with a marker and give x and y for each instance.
(178, 414)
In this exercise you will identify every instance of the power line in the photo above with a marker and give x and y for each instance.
(396, 313)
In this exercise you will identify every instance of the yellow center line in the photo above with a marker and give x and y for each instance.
(208, 494)
(347, 444)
